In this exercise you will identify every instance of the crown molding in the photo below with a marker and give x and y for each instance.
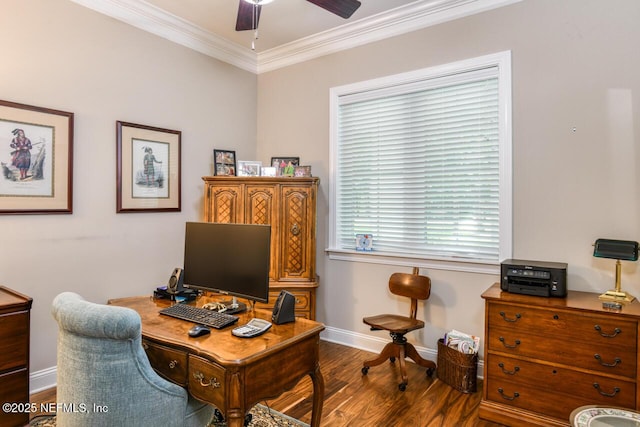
(412, 17)
(404, 19)
(147, 17)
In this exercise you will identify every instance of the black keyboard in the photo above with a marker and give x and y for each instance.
(201, 316)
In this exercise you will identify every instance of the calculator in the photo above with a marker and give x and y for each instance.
(254, 328)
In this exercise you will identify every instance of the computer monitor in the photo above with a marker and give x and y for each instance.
(231, 259)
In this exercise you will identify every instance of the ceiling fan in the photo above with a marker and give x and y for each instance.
(249, 10)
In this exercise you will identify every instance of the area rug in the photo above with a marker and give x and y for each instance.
(261, 416)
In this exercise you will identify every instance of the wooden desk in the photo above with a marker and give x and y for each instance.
(229, 372)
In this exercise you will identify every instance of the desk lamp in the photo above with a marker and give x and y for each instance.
(619, 250)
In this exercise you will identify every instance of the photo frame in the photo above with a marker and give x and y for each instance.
(281, 162)
(285, 166)
(224, 162)
(249, 168)
(302, 171)
(148, 168)
(36, 159)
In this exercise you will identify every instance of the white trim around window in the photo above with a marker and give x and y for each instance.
(495, 70)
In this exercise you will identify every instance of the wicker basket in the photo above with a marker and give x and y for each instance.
(459, 370)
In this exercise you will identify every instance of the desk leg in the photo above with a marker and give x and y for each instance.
(318, 396)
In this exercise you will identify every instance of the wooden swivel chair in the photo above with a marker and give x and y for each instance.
(417, 288)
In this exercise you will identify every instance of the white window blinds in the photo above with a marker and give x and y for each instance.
(418, 166)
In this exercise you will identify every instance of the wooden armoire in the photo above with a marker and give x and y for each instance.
(288, 204)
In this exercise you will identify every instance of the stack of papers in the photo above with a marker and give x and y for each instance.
(462, 342)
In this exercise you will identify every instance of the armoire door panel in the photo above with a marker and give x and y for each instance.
(296, 250)
(260, 208)
(225, 204)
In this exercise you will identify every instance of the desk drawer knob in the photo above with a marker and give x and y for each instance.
(173, 364)
(616, 390)
(616, 361)
(213, 382)
(616, 331)
(510, 319)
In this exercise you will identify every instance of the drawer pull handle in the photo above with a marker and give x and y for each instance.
(504, 396)
(616, 390)
(616, 331)
(507, 319)
(173, 364)
(213, 382)
(145, 345)
(515, 369)
(517, 343)
(616, 361)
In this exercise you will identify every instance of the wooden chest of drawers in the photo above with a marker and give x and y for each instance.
(14, 355)
(544, 357)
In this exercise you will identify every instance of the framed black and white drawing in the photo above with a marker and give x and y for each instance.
(148, 168)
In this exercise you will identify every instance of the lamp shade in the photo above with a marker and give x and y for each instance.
(625, 250)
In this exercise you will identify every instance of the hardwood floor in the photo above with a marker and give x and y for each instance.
(352, 399)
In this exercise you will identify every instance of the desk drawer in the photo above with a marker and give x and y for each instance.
(168, 362)
(584, 354)
(590, 388)
(565, 325)
(14, 340)
(207, 381)
(14, 389)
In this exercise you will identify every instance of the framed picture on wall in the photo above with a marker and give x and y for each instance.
(224, 162)
(36, 158)
(148, 168)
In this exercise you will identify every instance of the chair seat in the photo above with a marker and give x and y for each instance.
(393, 323)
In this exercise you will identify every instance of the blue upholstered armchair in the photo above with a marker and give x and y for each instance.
(104, 375)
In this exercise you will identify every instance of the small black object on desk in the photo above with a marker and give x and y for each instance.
(199, 330)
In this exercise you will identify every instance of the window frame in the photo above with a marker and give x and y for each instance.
(502, 61)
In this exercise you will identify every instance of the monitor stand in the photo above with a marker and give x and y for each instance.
(234, 306)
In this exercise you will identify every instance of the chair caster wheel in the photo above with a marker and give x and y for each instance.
(365, 370)
(430, 372)
(402, 386)
(247, 419)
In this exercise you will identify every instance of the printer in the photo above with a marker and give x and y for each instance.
(539, 278)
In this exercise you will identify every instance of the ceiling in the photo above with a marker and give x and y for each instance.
(289, 31)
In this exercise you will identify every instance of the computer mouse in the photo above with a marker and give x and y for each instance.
(199, 330)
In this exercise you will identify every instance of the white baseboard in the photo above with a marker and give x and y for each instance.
(375, 344)
(42, 380)
(46, 378)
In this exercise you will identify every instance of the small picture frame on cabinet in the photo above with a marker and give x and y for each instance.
(224, 162)
(302, 171)
(249, 168)
(268, 171)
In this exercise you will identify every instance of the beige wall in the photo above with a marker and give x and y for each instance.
(575, 65)
(60, 55)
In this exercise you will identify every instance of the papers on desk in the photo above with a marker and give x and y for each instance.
(462, 342)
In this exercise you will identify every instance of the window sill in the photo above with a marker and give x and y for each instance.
(448, 264)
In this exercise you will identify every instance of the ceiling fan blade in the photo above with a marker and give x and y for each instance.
(247, 18)
(342, 8)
